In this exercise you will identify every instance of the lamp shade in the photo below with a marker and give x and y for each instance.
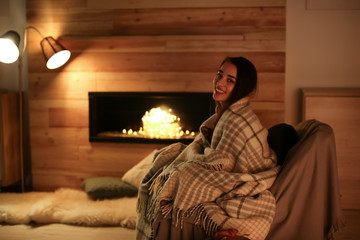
(55, 54)
(9, 47)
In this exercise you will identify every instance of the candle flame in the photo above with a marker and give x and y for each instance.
(159, 123)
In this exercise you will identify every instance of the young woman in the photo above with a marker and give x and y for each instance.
(217, 186)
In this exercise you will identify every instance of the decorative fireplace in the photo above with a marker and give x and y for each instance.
(125, 116)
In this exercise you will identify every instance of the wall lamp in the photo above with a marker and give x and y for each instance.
(55, 56)
(54, 53)
(9, 47)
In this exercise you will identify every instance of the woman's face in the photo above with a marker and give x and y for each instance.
(224, 82)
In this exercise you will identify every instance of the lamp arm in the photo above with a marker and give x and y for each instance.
(21, 130)
(37, 30)
(25, 36)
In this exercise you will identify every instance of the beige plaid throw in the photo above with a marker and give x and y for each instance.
(224, 182)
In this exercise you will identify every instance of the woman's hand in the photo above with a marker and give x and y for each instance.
(228, 234)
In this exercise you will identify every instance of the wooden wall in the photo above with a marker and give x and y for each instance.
(10, 166)
(133, 46)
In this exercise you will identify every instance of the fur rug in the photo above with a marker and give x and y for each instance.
(69, 206)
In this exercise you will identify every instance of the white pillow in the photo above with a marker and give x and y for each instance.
(134, 175)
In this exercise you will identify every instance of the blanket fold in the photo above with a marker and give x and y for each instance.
(225, 182)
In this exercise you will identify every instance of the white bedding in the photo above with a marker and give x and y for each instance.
(65, 205)
(57, 231)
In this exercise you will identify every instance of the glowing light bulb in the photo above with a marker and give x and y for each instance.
(9, 52)
(58, 59)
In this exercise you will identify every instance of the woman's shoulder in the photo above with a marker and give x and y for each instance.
(240, 105)
(241, 111)
(240, 115)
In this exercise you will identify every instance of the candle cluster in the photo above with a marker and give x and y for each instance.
(160, 123)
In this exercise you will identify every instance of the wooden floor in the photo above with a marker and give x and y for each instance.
(68, 232)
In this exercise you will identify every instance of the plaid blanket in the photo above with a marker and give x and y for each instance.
(224, 182)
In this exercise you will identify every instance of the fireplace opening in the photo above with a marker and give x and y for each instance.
(127, 116)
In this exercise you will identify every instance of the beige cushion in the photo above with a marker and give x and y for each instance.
(134, 175)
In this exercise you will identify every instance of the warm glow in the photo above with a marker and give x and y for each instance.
(159, 123)
(9, 52)
(58, 59)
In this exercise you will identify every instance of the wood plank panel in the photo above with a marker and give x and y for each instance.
(51, 159)
(154, 81)
(55, 4)
(95, 158)
(128, 4)
(63, 15)
(99, 159)
(185, 43)
(271, 87)
(161, 62)
(269, 113)
(185, 82)
(68, 117)
(270, 118)
(106, 28)
(45, 137)
(264, 34)
(157, 21)
(41, 117)
(228, 46)
(195, 20)
(86, 28)
(117, 44)
(10, 166)
(50, 180)
(76, 86)
(255, 17)
(62, 85)
(118, 156)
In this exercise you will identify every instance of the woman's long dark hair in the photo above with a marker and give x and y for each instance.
(246, 81)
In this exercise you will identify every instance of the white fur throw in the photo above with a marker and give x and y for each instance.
(69, 206)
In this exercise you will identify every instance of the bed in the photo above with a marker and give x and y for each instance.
(307, 208)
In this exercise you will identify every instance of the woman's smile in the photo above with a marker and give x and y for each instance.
(217, 89)
(224, 82)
